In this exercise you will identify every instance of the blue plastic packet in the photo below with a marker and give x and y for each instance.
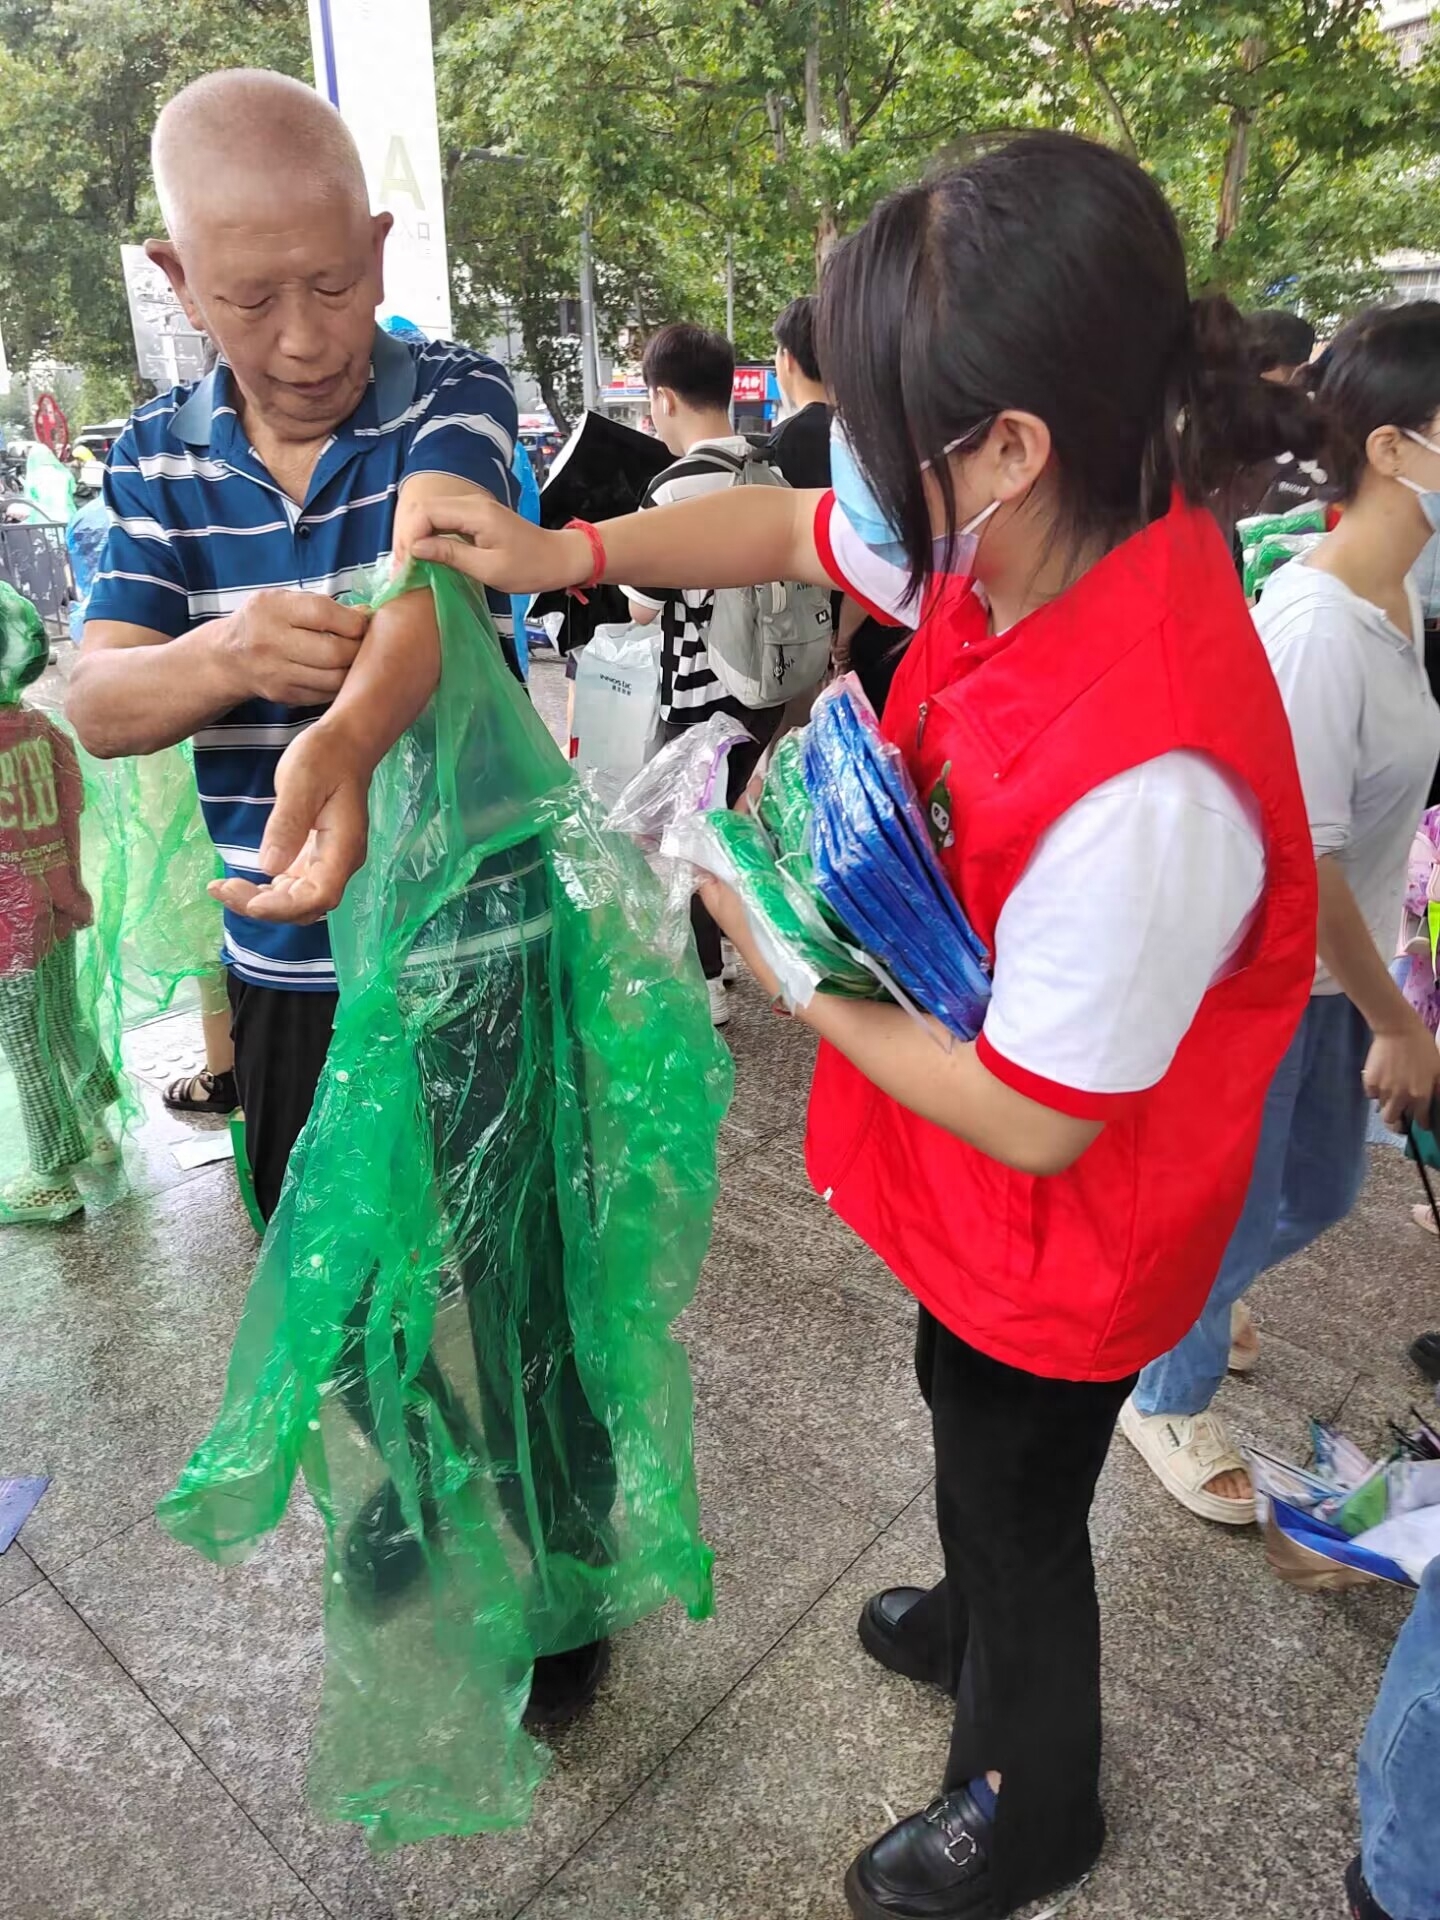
(876, 869)
(886, 781)
(853, 734)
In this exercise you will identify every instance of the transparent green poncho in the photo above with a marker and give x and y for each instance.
(144, 858)
(458, 1330)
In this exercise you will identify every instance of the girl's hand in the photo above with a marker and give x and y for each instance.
(477, 536)
(724, 906)
(1401, 1072)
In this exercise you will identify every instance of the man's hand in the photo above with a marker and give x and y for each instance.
(317, 834)
(1402, 1071)
(292, 648)
(495, 546)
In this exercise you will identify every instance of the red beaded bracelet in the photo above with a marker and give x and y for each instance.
(597, 552)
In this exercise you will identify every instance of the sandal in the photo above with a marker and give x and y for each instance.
(36, 1197)
(1244, 1340)
(203, 1092)
(1185, 1452)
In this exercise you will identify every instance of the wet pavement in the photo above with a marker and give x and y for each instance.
(155, 1710)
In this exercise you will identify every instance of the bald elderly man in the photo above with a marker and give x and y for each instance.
(241, 507)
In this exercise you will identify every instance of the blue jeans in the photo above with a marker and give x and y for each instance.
(1308, 1170)
(1400, 1769)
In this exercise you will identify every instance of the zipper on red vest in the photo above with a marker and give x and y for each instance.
(921, 717)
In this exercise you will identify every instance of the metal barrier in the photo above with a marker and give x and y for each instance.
(34, 561)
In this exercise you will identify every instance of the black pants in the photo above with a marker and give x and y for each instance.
(487, 1097)
(742, 762)
(1014, 1623)
(281, 1039)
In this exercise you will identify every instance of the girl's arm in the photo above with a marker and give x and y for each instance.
(945, 1083)
(732, 539)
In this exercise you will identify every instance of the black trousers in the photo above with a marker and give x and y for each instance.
(1015, 1624)
(514, 1277)
(742, 762)
(281, 1039)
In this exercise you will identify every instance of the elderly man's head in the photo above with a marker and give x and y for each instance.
(272, 247)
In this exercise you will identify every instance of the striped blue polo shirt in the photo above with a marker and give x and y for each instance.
(199, 525)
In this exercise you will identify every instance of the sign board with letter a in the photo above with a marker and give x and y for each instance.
(375, 62)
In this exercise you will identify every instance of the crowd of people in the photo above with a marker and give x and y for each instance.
(1015, 451)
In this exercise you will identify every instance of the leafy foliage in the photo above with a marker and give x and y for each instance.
(1292, 144)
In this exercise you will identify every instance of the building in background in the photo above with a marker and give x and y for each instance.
(1408, 24)
(1413, 275)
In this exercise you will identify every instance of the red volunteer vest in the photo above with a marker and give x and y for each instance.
(1088, 1274)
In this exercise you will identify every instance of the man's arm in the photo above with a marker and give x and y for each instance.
(146, 678)
(318, 829)
(319, 826)
(135, 690)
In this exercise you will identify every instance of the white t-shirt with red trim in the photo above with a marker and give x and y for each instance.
(1134, 903)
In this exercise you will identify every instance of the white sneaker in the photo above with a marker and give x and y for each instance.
(719, 1003)
(730, 963)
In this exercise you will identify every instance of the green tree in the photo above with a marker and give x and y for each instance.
(82, 82)
(1284, 131)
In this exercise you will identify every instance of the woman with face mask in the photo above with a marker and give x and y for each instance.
(1034, 412)
(1344, 630)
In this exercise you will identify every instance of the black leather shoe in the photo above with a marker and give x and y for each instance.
(1363, 1904)
(565, 1684)
(1425, 1352)
(933, 1866)
(882, 1635)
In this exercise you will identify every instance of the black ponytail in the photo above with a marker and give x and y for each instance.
(1219, 416)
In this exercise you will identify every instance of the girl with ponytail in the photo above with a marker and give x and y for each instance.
(1032, 414)
(1344, 633)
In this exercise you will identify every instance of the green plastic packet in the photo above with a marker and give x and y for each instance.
(459, 1326)
(1268, 540)
(785, 804)
(795, 940)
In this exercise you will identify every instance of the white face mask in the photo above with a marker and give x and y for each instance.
(1429, 497)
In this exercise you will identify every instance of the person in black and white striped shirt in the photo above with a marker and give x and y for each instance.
(690, 372)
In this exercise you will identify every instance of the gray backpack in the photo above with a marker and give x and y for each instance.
(768, 643)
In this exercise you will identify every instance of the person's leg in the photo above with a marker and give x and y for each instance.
(548, 1454)
(552, 1458)
(213, 1090)
(1325, 1160)
(72, 1028)
(1017, 1538)
(1185, 1379)
(281, 1039)
(740, 764)
(53, 1134)
(914, 1631)
(1307, 1173)
(1016, 1461)
(1399, 1773)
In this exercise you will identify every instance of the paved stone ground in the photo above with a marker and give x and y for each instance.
(155, 1710)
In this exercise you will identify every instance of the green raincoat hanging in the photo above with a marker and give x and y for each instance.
(459, 1328)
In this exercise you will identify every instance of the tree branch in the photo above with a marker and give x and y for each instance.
(1070, 12)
